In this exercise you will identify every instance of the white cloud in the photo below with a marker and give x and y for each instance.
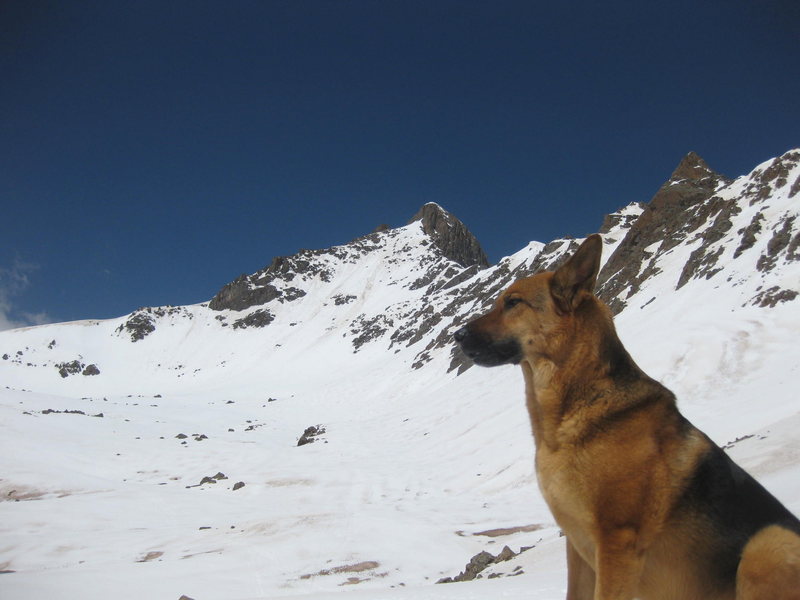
(13, 282)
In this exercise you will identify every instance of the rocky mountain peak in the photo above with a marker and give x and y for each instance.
(700, 207)
(451, 236)
(692, 168)
(678, 208)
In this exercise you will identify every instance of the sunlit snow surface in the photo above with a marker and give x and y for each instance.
(412, 465)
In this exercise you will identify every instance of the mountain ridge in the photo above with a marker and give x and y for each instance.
(437, 259)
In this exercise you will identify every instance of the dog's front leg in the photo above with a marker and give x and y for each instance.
(580, 576)
(619, 565)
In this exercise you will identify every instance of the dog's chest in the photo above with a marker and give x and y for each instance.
(566, 487)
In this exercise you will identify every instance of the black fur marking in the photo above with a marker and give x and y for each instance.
(735, 507)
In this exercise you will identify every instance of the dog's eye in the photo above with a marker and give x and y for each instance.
(512, 302)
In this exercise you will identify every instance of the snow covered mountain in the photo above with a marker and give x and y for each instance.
(156, 455)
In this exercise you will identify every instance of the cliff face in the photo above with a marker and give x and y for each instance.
(451, 236)
(678, 208)
(711, 217)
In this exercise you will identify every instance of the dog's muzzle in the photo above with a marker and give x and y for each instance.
(486, 352)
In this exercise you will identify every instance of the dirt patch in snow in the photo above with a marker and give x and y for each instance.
(509, 530)
(151, 556)
(17, 493)
(288, 482)
(367, 565)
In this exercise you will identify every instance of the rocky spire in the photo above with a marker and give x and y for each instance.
(451, 236)
(675, 210)
(692, 168)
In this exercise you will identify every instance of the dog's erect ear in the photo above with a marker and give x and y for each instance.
(578, 273)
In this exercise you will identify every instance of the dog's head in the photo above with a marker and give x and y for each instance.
(531, 317)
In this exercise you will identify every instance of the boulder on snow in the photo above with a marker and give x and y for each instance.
(478, 563)
(310, 435)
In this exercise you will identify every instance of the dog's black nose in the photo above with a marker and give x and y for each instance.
(460, 334)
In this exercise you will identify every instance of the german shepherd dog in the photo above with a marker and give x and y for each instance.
(651, 508)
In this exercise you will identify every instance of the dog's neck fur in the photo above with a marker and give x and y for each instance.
(567, 390)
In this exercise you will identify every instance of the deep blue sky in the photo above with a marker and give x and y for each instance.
(150, 152)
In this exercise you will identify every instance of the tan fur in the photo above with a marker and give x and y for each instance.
(613, 458)
(770, 562)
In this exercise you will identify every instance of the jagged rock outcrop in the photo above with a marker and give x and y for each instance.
(451, 236)
(257, 289)
(678, 208)
(720, 219)
(620, 219)
(446, 233)
(479, 563)
(142, 322)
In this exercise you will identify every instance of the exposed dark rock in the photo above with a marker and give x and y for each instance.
(478, 563)
(290, 294)
(434, 273)
(763, 182)
(749, 234)
(795, 187)
(50, 411)
(457, 278)
(505, 554)
(66, 369)
(238, 485)
(259, 318)
(310, 435)
(369, 329)
(340, 299)
(677, 209)
(703, 261)
(781, 238)
(139, 325)
(260, 287)
(209, 479)
(693, 168)
(451, 236)
(793, 249)
(239, 294)
(91, 370)
(616, 220)
(142, 322)
(777, 172)
(773, 296)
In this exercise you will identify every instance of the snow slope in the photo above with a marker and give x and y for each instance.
(421, 465)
